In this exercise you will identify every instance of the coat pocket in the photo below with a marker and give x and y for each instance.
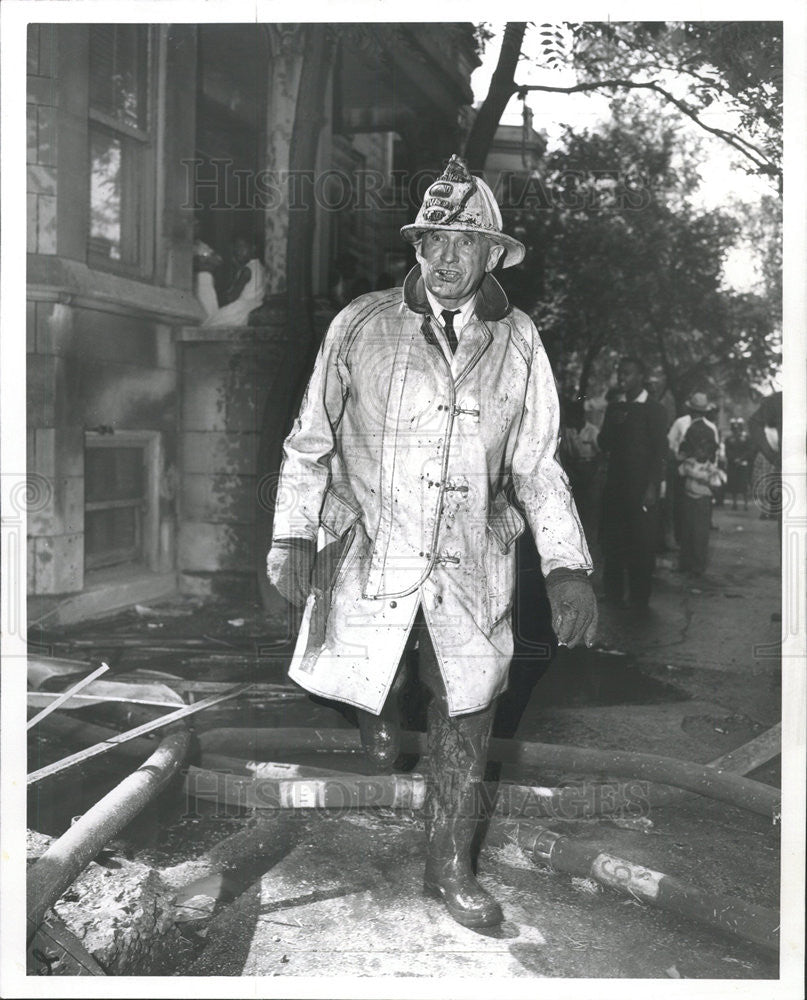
(337, 514)
(505, 524)
(331, 565)
(340, 519)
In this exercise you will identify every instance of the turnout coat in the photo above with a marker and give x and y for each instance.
(400, 463)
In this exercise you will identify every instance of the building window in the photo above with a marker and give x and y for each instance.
(121, 153)
(121, 499)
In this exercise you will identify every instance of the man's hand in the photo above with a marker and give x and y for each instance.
(574, 606)
(289, 565)
(651, 495)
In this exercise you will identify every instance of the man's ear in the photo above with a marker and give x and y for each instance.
(494, 254)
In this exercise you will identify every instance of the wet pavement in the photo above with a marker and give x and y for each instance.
(339, 894)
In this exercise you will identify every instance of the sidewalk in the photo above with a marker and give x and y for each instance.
(709, 643)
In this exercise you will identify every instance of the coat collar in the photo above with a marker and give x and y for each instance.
(491, 301)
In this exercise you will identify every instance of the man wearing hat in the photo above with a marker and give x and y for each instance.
(697, 408)
(428, 406)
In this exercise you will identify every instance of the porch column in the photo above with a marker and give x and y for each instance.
(286, 42)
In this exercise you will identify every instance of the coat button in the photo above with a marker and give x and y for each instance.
(393, 604)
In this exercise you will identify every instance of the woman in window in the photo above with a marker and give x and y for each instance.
(205, 263)
(246, 290)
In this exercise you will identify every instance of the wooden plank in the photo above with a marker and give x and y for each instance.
(99, 692)
(84, 700)
(182, 685)
(65, 695)
(753, 754)
(148, 643)
(214, 687)
(131, 734)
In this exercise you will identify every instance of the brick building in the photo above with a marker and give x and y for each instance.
(155, 438)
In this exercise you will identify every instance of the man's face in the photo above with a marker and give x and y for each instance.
(454, 263)
(630, 379)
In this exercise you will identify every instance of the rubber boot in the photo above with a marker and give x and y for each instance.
(458, 751)
(381, 734)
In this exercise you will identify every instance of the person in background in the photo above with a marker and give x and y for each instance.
(698, 411)
(768, 418)
(634, 437)
(700, 475)
(703, 414)
(246, 290)
(712, 417)
(739, 453)
(657, 387)
(765, 431)
(580, 453)
(697, 407)
(205, 264)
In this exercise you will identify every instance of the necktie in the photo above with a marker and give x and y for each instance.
(448, 319)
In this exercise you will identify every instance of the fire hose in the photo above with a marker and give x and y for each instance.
(731, 788)
(758, 924)
(58, 867)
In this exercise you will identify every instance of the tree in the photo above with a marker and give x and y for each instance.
(623, 263)
(499, 93)
(763, 232)
(737, 63)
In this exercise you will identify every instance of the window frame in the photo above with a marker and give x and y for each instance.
(148, 527)
(138, 146)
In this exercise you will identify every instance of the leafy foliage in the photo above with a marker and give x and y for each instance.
(619, 261)
(763, 231)
(736, 63)
(483, 32)
(691, 66)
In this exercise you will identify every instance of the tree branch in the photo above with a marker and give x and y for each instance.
(747, 149)
(501, 90)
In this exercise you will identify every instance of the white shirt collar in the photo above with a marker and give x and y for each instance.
(641, 398)
(465, 311)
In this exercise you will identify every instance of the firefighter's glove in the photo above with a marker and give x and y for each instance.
(289, 565)
(574, 606)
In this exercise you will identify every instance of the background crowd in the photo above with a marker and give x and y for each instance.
(646, 485)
